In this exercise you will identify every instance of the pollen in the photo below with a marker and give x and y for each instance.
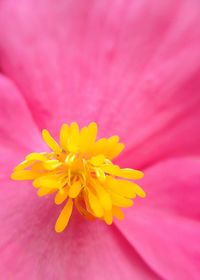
(80, 173)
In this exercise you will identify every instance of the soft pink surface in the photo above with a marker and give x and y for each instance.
(30, 248)
(67, 56)
(165, 228)
(132, 66)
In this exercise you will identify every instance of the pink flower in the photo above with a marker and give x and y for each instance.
(134, 68)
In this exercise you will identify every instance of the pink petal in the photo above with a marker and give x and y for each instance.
(29, 246)
(18, 132)
(165, 227)
(132, 66)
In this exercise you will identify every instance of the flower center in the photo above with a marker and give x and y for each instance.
(80, 172)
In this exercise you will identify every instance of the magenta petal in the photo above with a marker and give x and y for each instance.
(29, 246)
(31, 249)
(18, 131)
(131, 66)
(165, 227)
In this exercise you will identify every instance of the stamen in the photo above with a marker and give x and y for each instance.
(64, 216)
(80, 172)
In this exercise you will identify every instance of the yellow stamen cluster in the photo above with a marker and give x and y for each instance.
(81, 173)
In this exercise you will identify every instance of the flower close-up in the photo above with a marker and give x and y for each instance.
(80, 171)
(99, 140)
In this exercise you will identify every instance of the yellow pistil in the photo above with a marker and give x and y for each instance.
(79, 170)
